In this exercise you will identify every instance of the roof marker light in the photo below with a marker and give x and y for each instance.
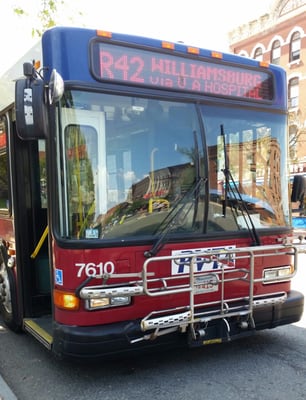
(193, 50)
(264, 64)
(106, 34)
(168, 45)
(216, 54)
(37, 64)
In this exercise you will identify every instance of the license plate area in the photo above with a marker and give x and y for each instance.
(206, 283)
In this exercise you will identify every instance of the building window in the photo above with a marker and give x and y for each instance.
(293, 90)
(258, 54)
(295, 47)
(276, 52)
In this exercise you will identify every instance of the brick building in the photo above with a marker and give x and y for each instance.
(279, 37)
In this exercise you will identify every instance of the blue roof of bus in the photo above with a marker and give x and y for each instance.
(82, 33)
(67, 49)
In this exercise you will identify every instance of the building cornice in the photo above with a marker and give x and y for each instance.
(280, 11)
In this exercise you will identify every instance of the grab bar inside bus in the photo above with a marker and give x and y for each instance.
(40, 243)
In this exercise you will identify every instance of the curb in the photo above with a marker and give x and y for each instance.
(5, 391)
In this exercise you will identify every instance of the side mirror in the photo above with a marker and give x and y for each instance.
(56, 87)
(32, 98)
(31, 108)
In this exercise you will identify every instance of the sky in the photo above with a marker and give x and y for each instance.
(202, 23)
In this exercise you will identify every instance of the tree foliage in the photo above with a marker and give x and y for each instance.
(46, 15)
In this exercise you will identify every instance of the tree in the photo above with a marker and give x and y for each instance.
(47, 14)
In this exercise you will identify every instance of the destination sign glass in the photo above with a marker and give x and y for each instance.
(159, 70)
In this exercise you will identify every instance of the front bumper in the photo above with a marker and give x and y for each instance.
(127, 337)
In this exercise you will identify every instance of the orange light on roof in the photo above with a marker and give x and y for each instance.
(193, 50)
(37, 64)
(66, 300)
(216, 54)
(264, 64)
(168, 45)
(106, 34)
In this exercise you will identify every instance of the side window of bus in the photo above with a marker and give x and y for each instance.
(4, 173)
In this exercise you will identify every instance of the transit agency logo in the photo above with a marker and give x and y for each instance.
(204, 259)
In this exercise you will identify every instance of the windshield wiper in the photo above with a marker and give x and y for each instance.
(171, 220)
(231, 186)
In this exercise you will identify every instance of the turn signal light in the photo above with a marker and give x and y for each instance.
(66, 300)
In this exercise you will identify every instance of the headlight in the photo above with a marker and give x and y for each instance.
(105, 302)
(273, 275)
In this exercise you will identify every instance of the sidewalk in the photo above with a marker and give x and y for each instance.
(5, 391)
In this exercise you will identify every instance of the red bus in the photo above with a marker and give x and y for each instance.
(144, 196)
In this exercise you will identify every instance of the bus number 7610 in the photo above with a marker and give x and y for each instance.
(92, 269)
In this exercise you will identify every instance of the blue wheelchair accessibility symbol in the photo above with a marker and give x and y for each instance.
(59, 276)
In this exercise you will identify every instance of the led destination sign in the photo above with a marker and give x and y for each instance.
(142, 67)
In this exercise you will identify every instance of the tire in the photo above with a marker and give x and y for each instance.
(8, 293)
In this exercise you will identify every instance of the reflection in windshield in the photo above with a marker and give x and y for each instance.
(130, 165)
(252, 148)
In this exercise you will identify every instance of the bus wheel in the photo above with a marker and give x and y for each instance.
(8, 293)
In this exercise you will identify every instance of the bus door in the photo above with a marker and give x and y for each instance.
(29, 180)
(84, 175)
(84, 133)
(24, 266)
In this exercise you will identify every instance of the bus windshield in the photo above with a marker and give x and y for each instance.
(252, 151)
(131, 167)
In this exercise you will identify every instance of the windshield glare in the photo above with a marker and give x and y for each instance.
(135, 167)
